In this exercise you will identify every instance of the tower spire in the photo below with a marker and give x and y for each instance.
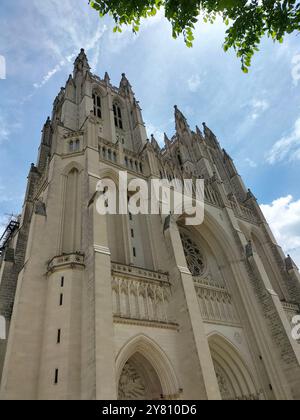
(125, 87)
(210, 137)
(180, 121)
(81, 63)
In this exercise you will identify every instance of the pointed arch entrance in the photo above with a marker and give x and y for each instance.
(234, 378)
(144, 372)
(139, 381)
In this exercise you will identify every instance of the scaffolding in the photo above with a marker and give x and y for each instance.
(12, 226)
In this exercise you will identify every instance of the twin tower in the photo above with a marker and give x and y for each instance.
(140, 306)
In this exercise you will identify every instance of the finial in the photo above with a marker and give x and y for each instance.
(107, 78)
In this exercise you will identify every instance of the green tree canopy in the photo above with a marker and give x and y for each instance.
(247, 20)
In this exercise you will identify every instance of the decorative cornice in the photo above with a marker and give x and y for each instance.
(102, 250)
(132, 272)
(145, 323)
(72, 261)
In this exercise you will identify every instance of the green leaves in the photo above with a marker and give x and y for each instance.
(247, 20)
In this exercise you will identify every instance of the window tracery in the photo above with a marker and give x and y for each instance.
(194, 257)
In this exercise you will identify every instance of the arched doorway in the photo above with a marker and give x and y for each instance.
(139, 381)
(234, 378)
(144, 372)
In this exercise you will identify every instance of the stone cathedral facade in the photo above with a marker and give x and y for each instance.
(140, 307)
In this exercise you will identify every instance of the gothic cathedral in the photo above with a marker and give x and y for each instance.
(140, 307)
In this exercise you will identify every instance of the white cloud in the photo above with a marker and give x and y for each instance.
(8, 126)
(158, 134)
(194, 83)
(259, 106)
(92, 44)
(47, 77)
(283, 215)
(4, 130)
(296, 69)
(4, 197)
(251, 163)
(287, 147)
(62, 34)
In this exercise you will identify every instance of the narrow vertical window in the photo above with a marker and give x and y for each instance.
(56, 377)
(77, 145)
(134, 252)
(179, 159)
(58, 336)
(118, 116)
(97, 105)
(132, 233)
(62, 282)
(61, 299)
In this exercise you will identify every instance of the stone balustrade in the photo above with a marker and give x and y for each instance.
(291, 310)
(66, 261)
(140, 294)
(216, 305)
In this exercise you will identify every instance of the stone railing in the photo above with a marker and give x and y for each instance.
(211, 196)
(216, 305)
(291, 310)
(108, 151)
(140, 294)
(243, 212)
(66, 261)
(141, 273)
(133, 164)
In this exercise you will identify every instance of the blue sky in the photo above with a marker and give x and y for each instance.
(256, 116)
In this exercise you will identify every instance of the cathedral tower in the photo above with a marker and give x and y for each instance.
(140, 306)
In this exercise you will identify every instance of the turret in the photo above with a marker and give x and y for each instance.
(107, 79)
(81, 64)
(125, 88)
(45, 147)
(210, 137)
(181, 123)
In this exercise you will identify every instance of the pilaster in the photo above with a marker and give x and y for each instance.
(192, 328)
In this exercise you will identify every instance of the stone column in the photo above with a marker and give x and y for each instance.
(106, 387)
(196, 349)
